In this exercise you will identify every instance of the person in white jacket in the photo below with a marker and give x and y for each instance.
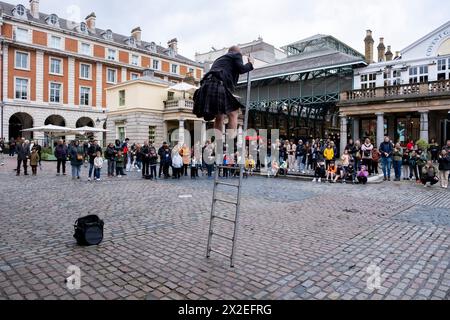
(177, 164)
(98, 164)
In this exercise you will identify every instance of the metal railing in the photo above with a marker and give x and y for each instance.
(398, 91)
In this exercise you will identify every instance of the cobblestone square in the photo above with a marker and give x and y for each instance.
(297, 240)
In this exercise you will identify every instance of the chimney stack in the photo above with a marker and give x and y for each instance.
(136, 33)
(381, 50)
(90, 21)
(173, 44)
(369, 46)
(34, 8)
(389, 54)
(397, 55)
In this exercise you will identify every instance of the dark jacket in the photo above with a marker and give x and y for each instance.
(92, 152)
(152, 156)
(76, 151)
(166, 157)
(444, 163)
(229, 67)
(145, 151)
(386, 147)
(23, 151)
(110, 153)
(61, 152)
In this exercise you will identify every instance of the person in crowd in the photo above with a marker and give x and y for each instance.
(422, 159)
(153, 161)
(357, 155)
(34, 161)
(350, 147)
(2, 147)
(61, 153)
(300, 155)
(444, 168)
(126, 149)
(120, 163)
(137, 157)
(77, 155)
(12, 147)
(166, 160)
(328, 154)
(340, 174)
(345, 160)
(376, 155)
(23, 154)
(274, 168)
(162, 154)
(363, 175)
(447, 146)
(98, 165)
(413, 172)
(39, 152)
(291, 148)
(320, 171)
(177, 165)
(195, 166)
(434, 151)
(92, 154)
(410, 145)
(331, 172)
(367, 149)
(283, 169)
(350, 174)
(282, 152)
(110, 155)
(145, 156)
(307, 157)
(429, 174)
(316, 155)
(250, 165)
(209, 157)
(405, 164)
(226, 164)
(386, 149)
(185, 153)
(397, 158)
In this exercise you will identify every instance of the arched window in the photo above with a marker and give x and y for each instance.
(108, 34)
(53, 19)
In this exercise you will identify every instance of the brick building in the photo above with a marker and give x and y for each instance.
(55, 71)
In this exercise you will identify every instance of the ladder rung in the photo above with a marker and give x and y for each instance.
(221, 253)
(226, 201)
(222, 236)
(227, 184)
(224, 219)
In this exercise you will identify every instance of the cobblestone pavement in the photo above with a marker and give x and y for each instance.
(297, 240)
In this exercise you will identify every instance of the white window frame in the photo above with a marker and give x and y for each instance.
(61, 66)
(28, 88)
(370, 81)
(28, 68)
(124, 130)
(90, 71)
(138, 60)
(446, 70)
(124, 98)
(81, 49)
(50, 41)
(134, 74)
(158, 62)
(177, 68)
(108, 56)
(90, 96)
(61, 92)
(107, 76)
(27, 38)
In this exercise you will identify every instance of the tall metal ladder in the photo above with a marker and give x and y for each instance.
(217, 182)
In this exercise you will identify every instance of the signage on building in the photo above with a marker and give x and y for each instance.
(436, 40)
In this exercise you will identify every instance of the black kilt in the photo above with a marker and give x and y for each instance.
(213, 98)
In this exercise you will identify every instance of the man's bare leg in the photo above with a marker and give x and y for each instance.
(218, 124)
(232, 124)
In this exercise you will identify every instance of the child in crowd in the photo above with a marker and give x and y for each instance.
(350, 174)
(413, 166)
(250, 165)
(375, 160)
(363, 175)
(177, 164)
(405, 165)
(340, 173)
(98, 164)
(283, 168)
(34, 161)
(345, 160)
(273, 169)
(331, 172)
(120, 163)
(195, 166)
(320, 171)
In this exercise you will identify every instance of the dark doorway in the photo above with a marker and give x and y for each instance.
(18, 122)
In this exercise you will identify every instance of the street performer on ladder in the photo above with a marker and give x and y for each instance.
(215, 97)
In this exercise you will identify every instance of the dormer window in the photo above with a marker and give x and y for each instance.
(53, 20)
(83, 27)
(171, 53)
(132, 42)
(20, 11)
(152, 47)
(108, 35)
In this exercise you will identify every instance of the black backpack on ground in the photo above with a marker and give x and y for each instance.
(89, 231)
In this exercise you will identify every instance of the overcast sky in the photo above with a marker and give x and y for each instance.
(202, 24)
